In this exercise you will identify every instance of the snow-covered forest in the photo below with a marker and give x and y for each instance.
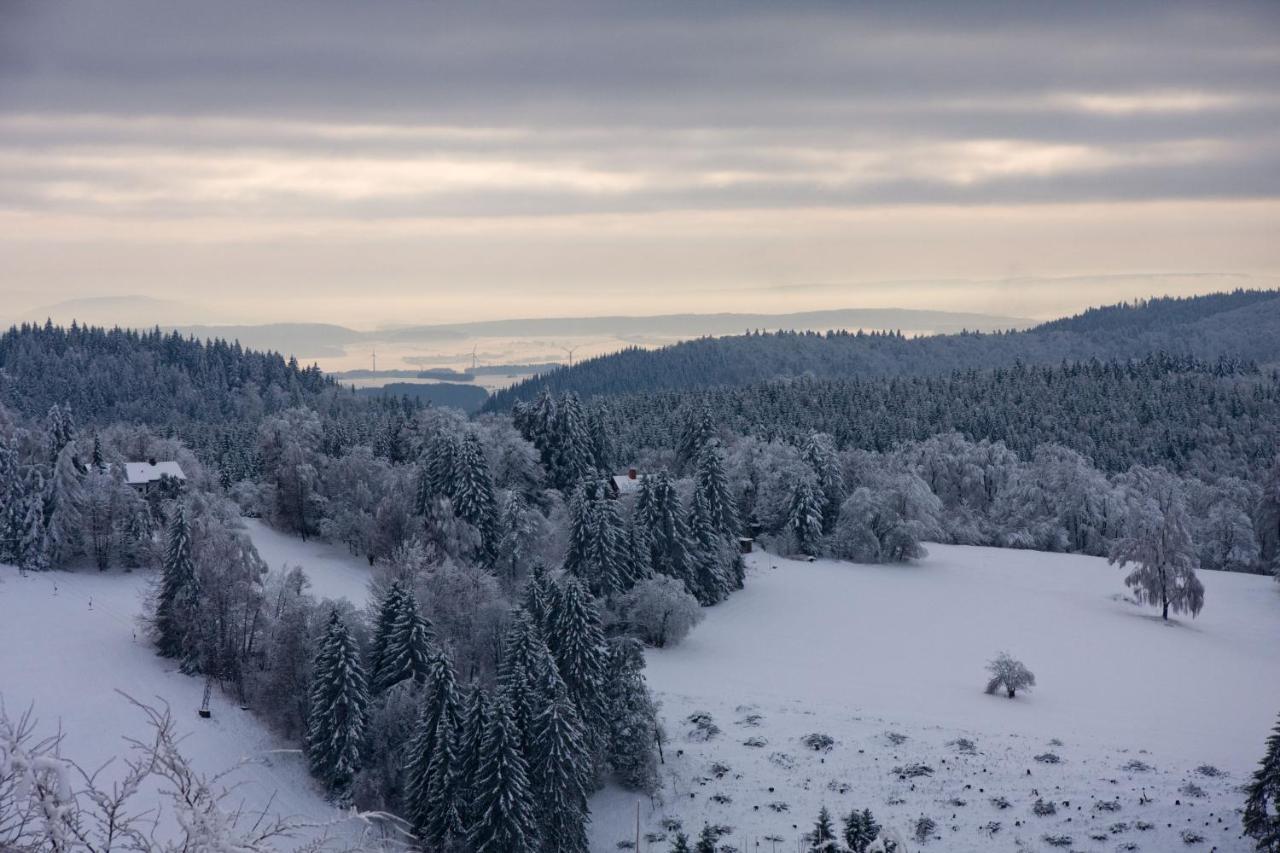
(520, 562)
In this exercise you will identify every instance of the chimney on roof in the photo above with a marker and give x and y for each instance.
(631, 473)
(152, 462)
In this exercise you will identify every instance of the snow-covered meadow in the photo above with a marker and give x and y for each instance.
(886, 660)
(889, 662)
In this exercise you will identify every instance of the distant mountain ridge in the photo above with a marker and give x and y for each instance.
(1242, 324)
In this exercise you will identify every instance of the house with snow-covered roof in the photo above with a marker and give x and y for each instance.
(145, 475)
(622, 485)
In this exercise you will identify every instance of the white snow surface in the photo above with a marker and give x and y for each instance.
(70, 640)
(861, 652)
(854, 651)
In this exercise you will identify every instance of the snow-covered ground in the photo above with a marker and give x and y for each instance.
(888, 661)
(70, 640)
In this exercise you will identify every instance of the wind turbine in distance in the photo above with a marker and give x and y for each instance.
(570, 351)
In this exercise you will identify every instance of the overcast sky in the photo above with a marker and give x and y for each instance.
(377, 162)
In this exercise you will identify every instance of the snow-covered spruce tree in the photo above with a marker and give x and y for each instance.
(577, 646)
(708, 838)
(681, 843)
(437, 473)
(1267, 519)
(805, 514)
(822, 838)
(33, 547)
(525, 673)
(66, 508)
(659, 509)
(632, 717)
(176, 596)
(1262, 804)
(711, 556)
(712, 483)
(1158, 542)
(1009, 675)
(516, 539)
(560, 768)
(475, 724)
(503, 809)
(12, 501)
(336, 716)
(60, 428)
(860, 829)
(443, 826)
(389, 606)
(698, 432)
(473, 497)
(440, 702)
(820, 454)
(409, 647)
(537, 597)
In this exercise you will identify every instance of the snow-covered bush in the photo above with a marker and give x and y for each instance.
(659, 611)
(1009, 675)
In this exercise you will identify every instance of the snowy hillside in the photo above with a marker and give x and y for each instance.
(888, 661)
(71, 641)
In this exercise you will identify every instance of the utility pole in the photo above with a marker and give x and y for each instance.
(375, 360)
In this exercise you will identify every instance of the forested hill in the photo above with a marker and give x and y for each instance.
(1242, 324)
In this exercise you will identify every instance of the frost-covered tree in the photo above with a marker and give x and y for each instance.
(519, 528)
(407, 648)
(820, 454)
(178, 592)
(390, 604)
(442, 819)
(886, 520)
(822, 838)
(659, 509)
(597, 552)
(289, 445)
(860, 829)
(577, 646)
(697, 433)
(441, 714)
(708, 838)
(659, 611)
(12, 501)
(338, 701)
(712, 483)
(1157, 541)
(680, 844)
(804, 515)
(1262, 802)
(475, 725)
(1267, 519)
(560, 767)
(437, 471)
(33, 542)
(504, 806)
(1009, 675)
(711, 556)
(65, 506)
(473, 496)
(632, 717)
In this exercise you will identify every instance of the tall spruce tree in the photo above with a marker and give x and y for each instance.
(561, 770)
(503, 810)
(820, 452)
(711, 482)
(860, 829)
(336, 716)
(577, 645)
(804, 515)
(473, 497)
(440, 702)
(632, 717)
(707, 839)
(409, 646)
(12, 501)
(523, 675)
(659, 508)
(66, 508)
(475, 726)
(176, 598)
(822, 839)
(709, 555)
(443, 822)
(389, 607)
(1262, 802)
(33, 547)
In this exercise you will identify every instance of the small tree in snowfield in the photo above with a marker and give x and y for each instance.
(1010, 675)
